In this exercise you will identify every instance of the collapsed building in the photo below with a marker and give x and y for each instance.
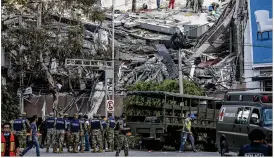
(146, 48)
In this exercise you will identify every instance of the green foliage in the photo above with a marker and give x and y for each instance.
(169, 86)
(9, 103)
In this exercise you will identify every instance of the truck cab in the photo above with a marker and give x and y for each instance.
(240, 113)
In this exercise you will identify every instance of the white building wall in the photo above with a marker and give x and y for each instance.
(248, 71)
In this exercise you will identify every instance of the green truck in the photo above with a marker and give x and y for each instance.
(157, 118)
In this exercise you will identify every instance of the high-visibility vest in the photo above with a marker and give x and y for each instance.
(12, 145)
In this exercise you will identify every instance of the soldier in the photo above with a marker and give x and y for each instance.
(122, 141)
(43, 129)
(60, 130)
(87, 146)
(96, 132)
(50, 125)
(104, 124)
(110, 132)
(67, 139)
(116, 134)
(18, 125)
(75, 128)
(82, 131)
(24, 137)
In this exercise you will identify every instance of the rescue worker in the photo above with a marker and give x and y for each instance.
(82, 131)
(50, 125)
(186, 133)
(87, 125)
(122, 142)
(110, 132)
(75, 128)
(96, 132)
(60, 133)
(9, 141)
(104, 124)
(67, 139)
(257, 147)
(19, 126)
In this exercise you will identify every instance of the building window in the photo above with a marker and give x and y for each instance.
(267, 85)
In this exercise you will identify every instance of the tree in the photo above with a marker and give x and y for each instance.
(9, 103)
(190, 88)
(34, 47)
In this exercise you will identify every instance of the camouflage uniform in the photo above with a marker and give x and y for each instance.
(75, 128)
(60, 131)
(96, 132)
(67, 136)
(25, 131)
(110, 133)
(104, 132)
(82, 132)
(122, 141)
(19, 125)
(51, 132)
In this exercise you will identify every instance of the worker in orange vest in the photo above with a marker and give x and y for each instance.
(9, 141)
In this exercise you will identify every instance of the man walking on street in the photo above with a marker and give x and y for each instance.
(110, 132)
(186, 133)
(9, 141)
(33, 138)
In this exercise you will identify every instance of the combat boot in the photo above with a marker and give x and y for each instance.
(54, 149)
(100, 150)
(94, 149)
(61, 149)
(75, 149)
(82, 149)
(47, 149)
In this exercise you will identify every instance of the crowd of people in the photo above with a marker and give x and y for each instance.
(60, 132)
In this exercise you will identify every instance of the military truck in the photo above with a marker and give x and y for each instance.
(157, 117)
(240, 114)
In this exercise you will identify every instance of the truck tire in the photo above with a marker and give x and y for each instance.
(223, 147)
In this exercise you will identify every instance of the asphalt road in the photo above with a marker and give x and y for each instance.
(132, 153)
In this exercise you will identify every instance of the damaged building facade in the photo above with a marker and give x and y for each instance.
(146, 49)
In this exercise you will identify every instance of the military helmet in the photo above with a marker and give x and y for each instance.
(95, 115)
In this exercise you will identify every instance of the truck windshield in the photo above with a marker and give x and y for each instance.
(267, 117)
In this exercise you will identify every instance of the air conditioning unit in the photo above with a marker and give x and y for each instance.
(195, 31)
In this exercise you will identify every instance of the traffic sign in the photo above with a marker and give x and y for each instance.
(110, 105)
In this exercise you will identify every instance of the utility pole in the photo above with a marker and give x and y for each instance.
(113, 53)
(180, 73)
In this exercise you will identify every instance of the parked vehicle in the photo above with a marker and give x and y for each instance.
(158, 117)
(240, 114)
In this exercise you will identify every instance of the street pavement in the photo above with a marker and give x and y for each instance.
(132, 153)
